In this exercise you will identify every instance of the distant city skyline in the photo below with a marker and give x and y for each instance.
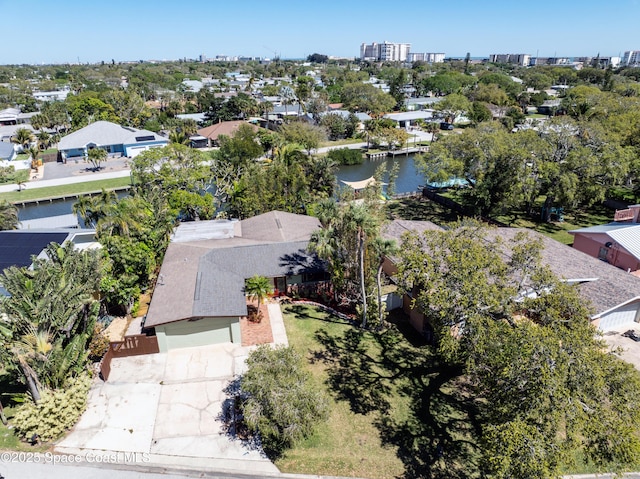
(72, 31)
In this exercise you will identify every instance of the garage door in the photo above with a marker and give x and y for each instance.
(133, 152)
(187, 334)
(619, 317)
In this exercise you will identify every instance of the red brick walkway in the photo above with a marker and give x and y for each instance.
(256, 333)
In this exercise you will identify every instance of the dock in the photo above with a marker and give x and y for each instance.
(399, 152)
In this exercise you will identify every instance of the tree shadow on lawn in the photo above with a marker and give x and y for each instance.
(421, 405)
(301, 311)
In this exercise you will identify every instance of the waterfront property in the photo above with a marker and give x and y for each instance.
(199, 296)
(116, 140)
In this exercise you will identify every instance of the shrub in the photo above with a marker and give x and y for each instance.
(56, 412)
(282, 404)
(99, 343)
(346, 156)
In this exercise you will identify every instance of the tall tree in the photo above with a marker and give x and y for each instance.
(8, 216)
(544, 387)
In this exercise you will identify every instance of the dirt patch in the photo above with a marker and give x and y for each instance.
(117, 328)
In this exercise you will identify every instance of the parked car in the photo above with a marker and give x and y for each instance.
(446, 126)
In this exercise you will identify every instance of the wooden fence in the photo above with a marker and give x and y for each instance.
(135, 345)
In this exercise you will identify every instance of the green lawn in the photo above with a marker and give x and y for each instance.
(17, 176)
(348, 444)
(345, 141)
(28, 194)
(558, 230)
(420, 209)
(390, 404)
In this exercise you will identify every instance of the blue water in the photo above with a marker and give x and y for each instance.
(408, 180)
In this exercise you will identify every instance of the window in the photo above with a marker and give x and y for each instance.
(602, 254)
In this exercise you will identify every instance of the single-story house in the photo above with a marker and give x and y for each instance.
(7, 151)
(227, 128)
(617, 243)
(613, 293)
(117, 140)
(421, 103)
(408, 118)
(18, 247)
(199, 296)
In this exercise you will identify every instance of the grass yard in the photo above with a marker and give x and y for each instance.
(344, 141)
(420, 209)
(393, 411)
(558, 230)
(348, 444)
(64, 190)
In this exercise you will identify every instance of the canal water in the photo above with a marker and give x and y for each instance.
(409, 179)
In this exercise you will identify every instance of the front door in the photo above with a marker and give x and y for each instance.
(279, 285)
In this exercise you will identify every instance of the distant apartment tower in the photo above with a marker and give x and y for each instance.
(203, 58)
(537, 61)
(631, 58)
(425, 57)
(385, 52)
(521, 59)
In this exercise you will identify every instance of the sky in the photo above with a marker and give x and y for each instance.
(68, 31)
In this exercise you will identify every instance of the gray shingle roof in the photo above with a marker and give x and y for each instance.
(106, 133)
(202, 277)
(613, 286)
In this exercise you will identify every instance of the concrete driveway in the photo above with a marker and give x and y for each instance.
(626, 348)
(166, 409)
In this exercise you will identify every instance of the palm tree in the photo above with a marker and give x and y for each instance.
(44, 140)
(96, 156)
(432, 128)
(258, 288)
(383, 248)
(178, 137)
(34, 152)
(8, 216)
(23, 137)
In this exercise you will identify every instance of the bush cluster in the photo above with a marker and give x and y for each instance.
(346, 156)
(57, 411)
(282, 403)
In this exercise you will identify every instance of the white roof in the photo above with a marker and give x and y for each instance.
(410, 115)
(103, 133)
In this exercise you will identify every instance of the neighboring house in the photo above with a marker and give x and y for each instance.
(613, 293)
(408, 118)
(8, 131)
(199, 296)
(228, 128)
(7, 151)
(199, 118)
(115, 139)
(617, 243)
(13, 116)
(57, 95)
(18, 247)
(421, 103)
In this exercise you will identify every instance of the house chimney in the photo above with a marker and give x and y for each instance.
(636, 211)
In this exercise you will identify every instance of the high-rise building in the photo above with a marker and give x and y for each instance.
(522, 59)
(385, 52)
(425, 57)
(631, 58)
